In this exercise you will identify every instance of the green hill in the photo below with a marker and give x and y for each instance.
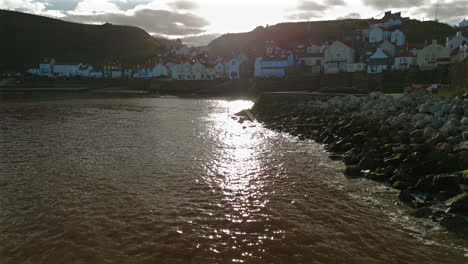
(419, 32)
(285, 34)
(28, 38)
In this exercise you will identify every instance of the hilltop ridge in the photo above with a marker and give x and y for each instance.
(286, 34)
(27, 38)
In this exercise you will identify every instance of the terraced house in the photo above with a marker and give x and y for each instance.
(432, 56)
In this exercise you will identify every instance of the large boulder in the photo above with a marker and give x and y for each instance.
(459, 204)
(449, 129)
(463, 146)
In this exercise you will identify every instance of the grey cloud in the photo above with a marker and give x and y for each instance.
(62, 5)
(183, 5)
(200, 40)
(456, 10)
(311, 6)
(335, 2)
(304, 15)
(129, 4)
(153, 21)
(383, 4)
(349, 16)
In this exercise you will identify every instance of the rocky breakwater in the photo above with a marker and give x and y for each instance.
(417, 144)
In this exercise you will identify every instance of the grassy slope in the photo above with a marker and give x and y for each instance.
(28, 38)
(419, 32)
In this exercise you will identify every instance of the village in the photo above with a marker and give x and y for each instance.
(378, 48)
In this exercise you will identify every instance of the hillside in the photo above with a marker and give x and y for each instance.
(28, 38)
(285, 34)
(419, 32)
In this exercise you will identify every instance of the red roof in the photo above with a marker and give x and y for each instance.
(455, 51)
(406, 54)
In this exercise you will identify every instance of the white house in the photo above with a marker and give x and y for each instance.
(85, 70)
(357, 67)
(112, 71)
(272, 67)
(404, 61)
(464, 23)
(160, 70)
(388, 47)
(46, 67)
(96, 73)
(378, 62)
(219, 69)
(195, 71)
(315, 61)
(337, 56)
(398, 37)
(67, 69)
(454, 42)
(232, 68)
(375, 34)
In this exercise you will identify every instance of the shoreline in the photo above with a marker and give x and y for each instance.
(417, 144)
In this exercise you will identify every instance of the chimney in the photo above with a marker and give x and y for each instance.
(388, 13)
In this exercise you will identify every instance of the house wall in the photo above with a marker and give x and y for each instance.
(337, 56)
(375, 34)
(427, 57)
(403, 63)
(398, 38)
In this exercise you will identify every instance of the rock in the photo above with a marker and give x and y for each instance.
(464, 121)
(425, 184)
(456, 223)
(459, 204)
(353, 171)
(463, 146)
(449, 129)
(405, 196)
(436, 123)
(456, 110)
(423, 212)
(429, 132)
(400, 185)
(419, 116)
(435, 107)
(445, 147)
(424, 108)
(465, 135)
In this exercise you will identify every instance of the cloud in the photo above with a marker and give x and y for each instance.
(309, 9)
(383, 4)
(349, 16)
(304, 15)
(129, 4)
(24, 5)
(200, 40)
(335, 2)
(183, 5)
(153, 21)
(451, 11)
(311, 6)
(96, 6)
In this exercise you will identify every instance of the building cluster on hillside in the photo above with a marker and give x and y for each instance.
(375, 48)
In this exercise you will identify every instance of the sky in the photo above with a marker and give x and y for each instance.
(199, 21)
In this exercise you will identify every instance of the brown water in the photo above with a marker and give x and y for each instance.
(166, 180)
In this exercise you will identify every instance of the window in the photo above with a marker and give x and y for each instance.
(233, 62)
(428, 57)
(433, 56)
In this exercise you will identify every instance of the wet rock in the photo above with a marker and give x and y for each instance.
(449, 129)
(368, 163)
(445, 147)
(425, 184)
(464, 121)
(459, 204)
(463, 146)
(423, 212)
(456, 223)
(353, 171)
(406, 196)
